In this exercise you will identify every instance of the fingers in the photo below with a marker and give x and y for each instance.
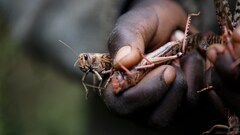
(229, 94)
(222, 61)
(193, 68)
(146, 25)
(236, 41)
(147, 92)
(227, 77)
(167, 108)
(162, 89)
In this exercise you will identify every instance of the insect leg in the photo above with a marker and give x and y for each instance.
(110, 71)
(208, 88)
(125, 69)
(161, 60)
(106, 72)
(108, 80)
(187, 29)
(214, 129)
(84, 85)
(100, 83)
(148, 62)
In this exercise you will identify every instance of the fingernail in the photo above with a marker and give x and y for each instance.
(212, 54)
(169, 75)
(122, 52)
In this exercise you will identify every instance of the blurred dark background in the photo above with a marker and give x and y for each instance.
(40, 89)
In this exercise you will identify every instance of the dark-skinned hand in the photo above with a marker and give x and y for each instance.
(226, 78)
(156, 98)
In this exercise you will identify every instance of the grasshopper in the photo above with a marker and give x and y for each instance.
(163, 55)
(227, 23)
(123, 80)
(232, 128)
(97, 63)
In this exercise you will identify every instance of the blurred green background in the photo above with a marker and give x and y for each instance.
(35, 99)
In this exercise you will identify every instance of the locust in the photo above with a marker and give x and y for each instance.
(232, 128)
(228, 23)
(98, 64)
(122, 80)
(167, 53)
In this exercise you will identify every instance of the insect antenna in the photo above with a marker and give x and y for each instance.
(69, 47)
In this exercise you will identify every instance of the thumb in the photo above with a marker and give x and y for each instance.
(147, 25)
(125, 47)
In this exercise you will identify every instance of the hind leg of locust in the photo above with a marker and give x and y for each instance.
(160, 60)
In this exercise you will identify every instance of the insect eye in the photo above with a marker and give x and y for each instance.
(85, 57)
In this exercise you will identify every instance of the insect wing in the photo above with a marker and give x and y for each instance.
(105, 57)
(237, 13)
(223, 13)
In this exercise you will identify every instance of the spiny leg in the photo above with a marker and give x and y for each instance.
(187, 29)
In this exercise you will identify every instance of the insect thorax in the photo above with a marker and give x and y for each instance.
(99, 62)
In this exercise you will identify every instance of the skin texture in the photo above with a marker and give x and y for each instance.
(225, 78)
(160, 92)
(141, 27)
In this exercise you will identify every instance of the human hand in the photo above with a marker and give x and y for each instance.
(147, 26)
(226, 77)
